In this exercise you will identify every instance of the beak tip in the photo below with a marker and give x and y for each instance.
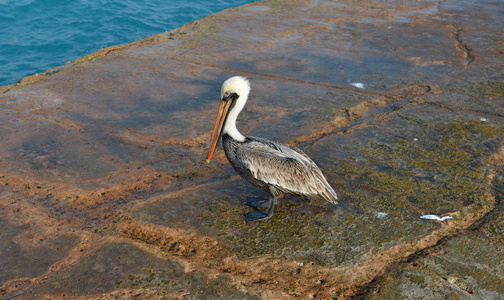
(208, 161)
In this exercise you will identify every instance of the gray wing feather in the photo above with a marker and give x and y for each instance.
(286, 168)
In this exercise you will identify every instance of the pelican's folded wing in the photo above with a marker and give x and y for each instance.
(286, 168)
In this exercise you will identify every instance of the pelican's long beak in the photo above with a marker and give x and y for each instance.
(219, 124)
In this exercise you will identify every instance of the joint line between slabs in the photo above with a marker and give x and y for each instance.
(281, 77)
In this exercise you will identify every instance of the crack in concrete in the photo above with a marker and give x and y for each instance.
(493, 176)
(469, 55)
(360, 114)
(453, 108)
(347, 279)
(377, 264)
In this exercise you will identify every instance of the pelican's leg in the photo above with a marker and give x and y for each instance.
(262, 214)
(257, 202)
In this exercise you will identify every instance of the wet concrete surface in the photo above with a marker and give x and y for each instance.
(105, 192)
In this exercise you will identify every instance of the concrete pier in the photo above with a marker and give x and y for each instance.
(105, 192)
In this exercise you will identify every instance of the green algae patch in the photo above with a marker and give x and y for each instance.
(464, 266)
(297, 231)
(500, 46)
(385, 184)
(400, 173)
(440, 170)
(313, 231)
(493, 89)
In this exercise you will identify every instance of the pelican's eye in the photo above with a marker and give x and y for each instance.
(227, 95)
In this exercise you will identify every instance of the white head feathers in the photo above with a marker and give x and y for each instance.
(241, 87)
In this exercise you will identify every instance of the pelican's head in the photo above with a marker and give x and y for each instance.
(234, 94)
(236, 87)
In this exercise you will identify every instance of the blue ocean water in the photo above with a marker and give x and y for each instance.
(37, 35)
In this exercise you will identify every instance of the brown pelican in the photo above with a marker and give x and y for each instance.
(271, 166)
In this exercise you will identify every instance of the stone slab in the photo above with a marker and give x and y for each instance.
(105, 193)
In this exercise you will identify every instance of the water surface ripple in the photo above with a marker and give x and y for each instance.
(37, 35)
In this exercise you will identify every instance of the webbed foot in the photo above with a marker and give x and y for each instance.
(255, 202)
(258, 215)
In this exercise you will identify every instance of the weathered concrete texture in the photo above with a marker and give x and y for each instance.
(466, 266)
(105, 193)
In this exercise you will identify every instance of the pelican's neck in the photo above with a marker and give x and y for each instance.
(230, 126)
